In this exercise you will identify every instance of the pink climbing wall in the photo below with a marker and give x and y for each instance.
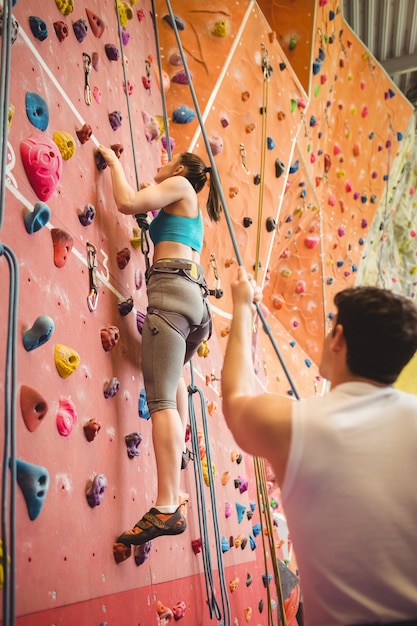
(341, 124)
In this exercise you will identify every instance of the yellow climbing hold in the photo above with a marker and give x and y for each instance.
(2, 565)
(221, 29)
(65, 143)
(136, 239)
(10, 114)
(125, 12)
(204, 466)
(65, 6)
(66, 360)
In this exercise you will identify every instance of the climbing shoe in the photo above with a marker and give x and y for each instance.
(154, 524)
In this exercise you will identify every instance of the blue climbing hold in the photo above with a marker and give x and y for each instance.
(225, 545)
(39, 334)
(252, 505)
(34, 483)
(37, 110)
(183, 115)
(240, 510)
(143, 406)
(38, 27)
(316, 66)
(256, 529)
(252, 541)
(264, 579)
(294, 167)
(38, 218)
(270, 143)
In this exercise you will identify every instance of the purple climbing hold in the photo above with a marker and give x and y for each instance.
(140, 319)
(39, 334)
(34, 482)
(180, 78)
(142, 552)
(111, 388)
(80, 28)
(100, 161)
(243, 484)
(133, 441)
(112, 52)
(95, 490)
(38, 27)
(88, 215)
(125, 36)
(115, 119)
(37, 110)
(125, 306)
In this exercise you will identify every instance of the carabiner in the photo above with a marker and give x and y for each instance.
(92, 297)
(87, 71)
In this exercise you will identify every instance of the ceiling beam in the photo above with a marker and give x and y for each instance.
(400, 65)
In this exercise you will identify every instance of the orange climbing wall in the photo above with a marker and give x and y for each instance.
(65, 568)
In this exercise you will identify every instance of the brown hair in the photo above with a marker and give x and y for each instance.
(196, 172)
(380, 329)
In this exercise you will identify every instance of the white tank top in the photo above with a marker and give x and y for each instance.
(350, 496)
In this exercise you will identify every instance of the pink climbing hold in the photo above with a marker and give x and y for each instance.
(300, 286)
(66, 416)
(311, 241)
(179, 610)
(227, 510)
(63, 243)
(42, 161)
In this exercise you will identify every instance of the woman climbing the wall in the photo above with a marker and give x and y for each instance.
(178, 317)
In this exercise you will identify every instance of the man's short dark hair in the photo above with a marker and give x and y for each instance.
(380, 328)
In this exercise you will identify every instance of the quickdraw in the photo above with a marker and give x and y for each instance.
(92, 297)
(87, 71)
(217, 292)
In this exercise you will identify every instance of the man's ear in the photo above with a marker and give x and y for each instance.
(338, 338)
(179, 170)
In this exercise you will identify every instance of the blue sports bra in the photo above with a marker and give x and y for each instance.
(186, 230)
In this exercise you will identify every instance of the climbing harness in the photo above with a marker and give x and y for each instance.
(92, 297)
(193, 334)
(87, 71)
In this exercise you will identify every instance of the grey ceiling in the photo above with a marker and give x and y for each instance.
(389, 30)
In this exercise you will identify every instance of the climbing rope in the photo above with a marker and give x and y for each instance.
(8, 505)
(214, 173)
(237, 252)
(202, 512)
(6, 45)
(267, 71)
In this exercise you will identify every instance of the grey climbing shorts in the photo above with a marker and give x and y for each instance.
(178, 319)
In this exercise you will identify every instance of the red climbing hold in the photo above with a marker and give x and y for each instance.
(96, 24)
(33, 406)
(63, 243)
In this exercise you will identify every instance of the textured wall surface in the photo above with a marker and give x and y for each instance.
(308, 134)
